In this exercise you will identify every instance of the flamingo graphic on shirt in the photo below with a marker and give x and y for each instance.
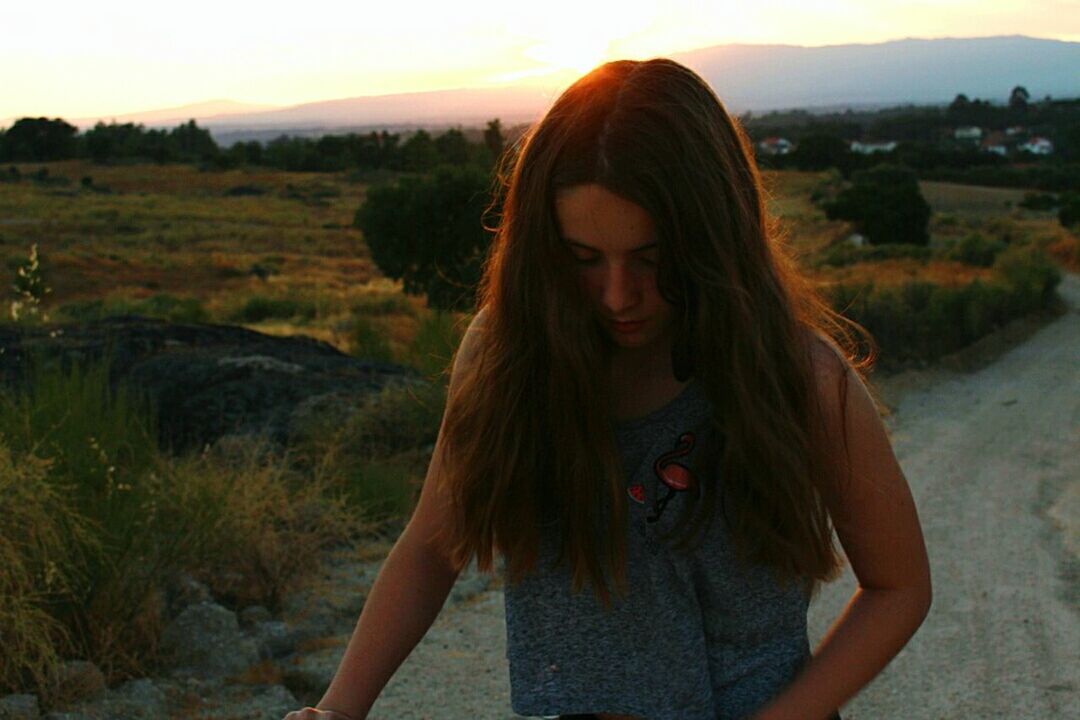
(675, 476)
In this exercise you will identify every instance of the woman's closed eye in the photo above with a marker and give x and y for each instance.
(595, 259)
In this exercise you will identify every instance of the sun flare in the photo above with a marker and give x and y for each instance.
(575, 53)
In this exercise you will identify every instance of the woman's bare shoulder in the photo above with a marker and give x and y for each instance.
(471, 341)
(830, 364)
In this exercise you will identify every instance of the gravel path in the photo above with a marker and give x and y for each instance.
(993, 459)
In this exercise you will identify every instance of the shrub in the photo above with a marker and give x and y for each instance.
(434, 344)
(376, 451)
(1039, 201)
(1030, 273)
(30, 289)
(244, 191)
(101, 445)
(428, 232)
(380, 297)
(37, 567)
(87, 550)
(161, 305)
(369, 341)
(248, 525)
(886, 205)
(974, 249)
(1069, 213)
(920, 321)
(260, 308)
(844, 253)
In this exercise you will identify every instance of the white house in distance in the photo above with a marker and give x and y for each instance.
(994, 142)
(1038, 146)
(775, 146)
(872, 147)
(969, 132)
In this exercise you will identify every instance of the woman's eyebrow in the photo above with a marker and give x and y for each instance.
(582, 245)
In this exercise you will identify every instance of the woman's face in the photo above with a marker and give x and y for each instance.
(615, 249)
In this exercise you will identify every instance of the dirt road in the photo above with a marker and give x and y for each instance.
(993, 459)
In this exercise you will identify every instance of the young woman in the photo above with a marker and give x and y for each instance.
(652, 404)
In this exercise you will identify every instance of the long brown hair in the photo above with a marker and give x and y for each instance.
(527, 433)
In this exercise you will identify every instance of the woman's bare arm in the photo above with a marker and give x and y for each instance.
(878, 527)
(408, 593)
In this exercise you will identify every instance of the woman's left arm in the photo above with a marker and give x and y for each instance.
(878, 527)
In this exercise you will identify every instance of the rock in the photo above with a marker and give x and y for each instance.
(205, 641)
(77, 680)
(310, 673)
(208, 380)
(248, 702)
(139, 699)
(19, 707)
(331, 603)
(470, 583)
(185, 590)
(273, 639)
(253, 615)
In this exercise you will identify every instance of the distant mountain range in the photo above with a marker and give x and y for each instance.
(922, 72)
(757, 78)
(170, 117)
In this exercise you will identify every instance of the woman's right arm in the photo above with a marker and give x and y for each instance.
(405, 598)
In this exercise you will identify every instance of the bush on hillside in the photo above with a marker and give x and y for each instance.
(885, 204)
(918, 322)
(1069, 213)
(975, 249)
(427, 231)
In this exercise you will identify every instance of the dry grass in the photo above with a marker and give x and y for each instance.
(259, 525)
(886, 273)
(36, 568)
(970, 200)
(173, 229)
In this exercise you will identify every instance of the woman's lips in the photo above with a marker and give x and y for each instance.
(627, 327)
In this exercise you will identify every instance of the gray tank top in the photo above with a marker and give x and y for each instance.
(700, 636)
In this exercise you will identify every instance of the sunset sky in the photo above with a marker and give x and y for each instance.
(111, 57)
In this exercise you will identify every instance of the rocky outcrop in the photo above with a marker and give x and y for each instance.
(207, 380)
(249, 665)
(205, 641)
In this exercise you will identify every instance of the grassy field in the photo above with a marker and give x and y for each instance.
(229, 240)
(134, 232)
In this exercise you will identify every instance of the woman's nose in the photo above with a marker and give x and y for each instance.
(620, 290)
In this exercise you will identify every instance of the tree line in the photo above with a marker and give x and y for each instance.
(925, 140)
(48, 139)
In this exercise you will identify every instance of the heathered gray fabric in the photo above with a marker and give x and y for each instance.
(700, 636)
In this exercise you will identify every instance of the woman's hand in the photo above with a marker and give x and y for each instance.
(310, 713)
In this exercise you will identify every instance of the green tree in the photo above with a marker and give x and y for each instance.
(39, 140)
(959, 104)
(193, 142)
(886, 205)
(453, 147)
(419, 153)
(427, 231)
(821, 152)
(493, 137)
(1018, 98)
